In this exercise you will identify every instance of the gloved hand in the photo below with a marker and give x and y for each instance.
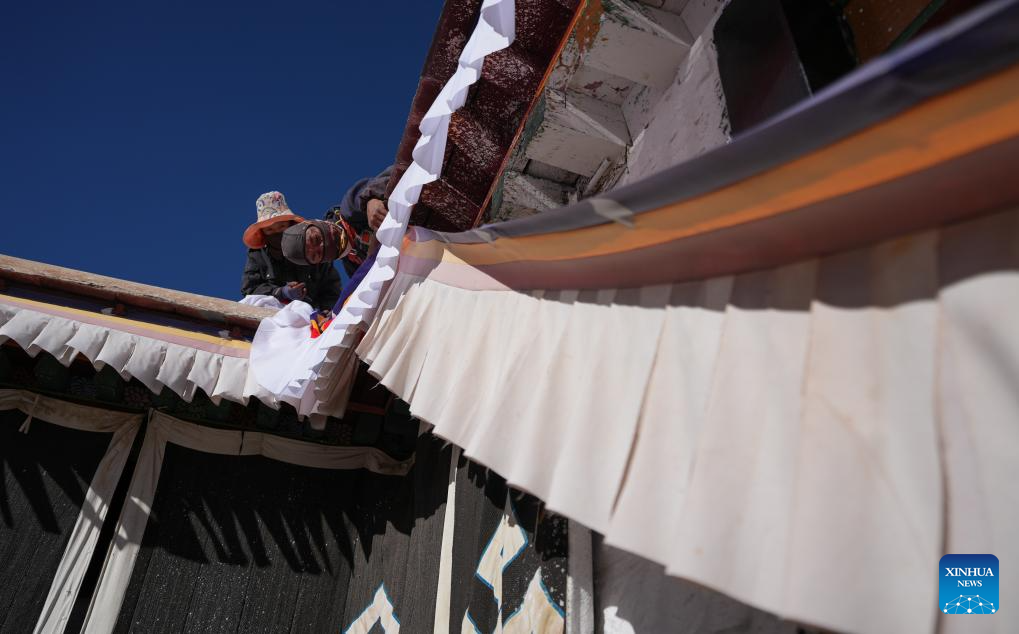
(293, 291)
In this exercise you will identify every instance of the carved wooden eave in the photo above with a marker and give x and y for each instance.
(483, 132)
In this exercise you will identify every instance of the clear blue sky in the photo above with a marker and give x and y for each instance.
(136, 136)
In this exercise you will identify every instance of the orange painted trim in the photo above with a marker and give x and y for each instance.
(940, 129)
(582, 8)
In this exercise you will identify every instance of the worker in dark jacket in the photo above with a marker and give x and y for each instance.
(267, 272)
(362, 210)
(315, 242)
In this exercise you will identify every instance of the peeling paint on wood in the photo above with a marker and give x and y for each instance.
(600, 85)
(638, 55)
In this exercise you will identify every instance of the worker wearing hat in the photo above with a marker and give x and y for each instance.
(315, 242)
(268, 272)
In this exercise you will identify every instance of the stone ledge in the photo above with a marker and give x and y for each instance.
(208, 309)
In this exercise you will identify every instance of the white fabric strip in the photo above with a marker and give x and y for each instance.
(977, 403)
(154, 363)
(868, 439)
(672, 418)
(504, 421)
(113, 581)
(262, 301)
(778, 435)
(163, 429)
(444, 586)
(82, 541)
(284, 359)
(67, 414)
(740, 498)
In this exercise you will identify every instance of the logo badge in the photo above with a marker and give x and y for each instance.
(968, 584)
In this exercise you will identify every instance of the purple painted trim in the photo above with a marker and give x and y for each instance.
(973, 46)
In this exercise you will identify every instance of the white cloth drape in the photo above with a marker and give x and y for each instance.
(154, 362)
(163, 429)
(307, 376)
(262, 301)
(81, 544)
(808, 439)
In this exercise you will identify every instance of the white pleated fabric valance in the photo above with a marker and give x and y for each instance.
(158, 357)
(314, 375)
(808, 439)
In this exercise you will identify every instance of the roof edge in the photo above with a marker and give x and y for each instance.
(208, 309)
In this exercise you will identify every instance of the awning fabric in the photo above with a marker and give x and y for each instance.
(158, 356)
(314, 538)
(791, 381)
(312, 373)
(780, 435)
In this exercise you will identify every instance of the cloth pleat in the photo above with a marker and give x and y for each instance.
(782, 436)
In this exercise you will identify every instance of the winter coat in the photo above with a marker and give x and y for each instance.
(267, 275)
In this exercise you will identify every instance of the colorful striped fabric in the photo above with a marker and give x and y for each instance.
(772, 369)
(914, 141)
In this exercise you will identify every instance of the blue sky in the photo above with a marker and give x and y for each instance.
(136, 136)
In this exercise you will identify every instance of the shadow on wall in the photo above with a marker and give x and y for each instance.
(231, 509)
(637, 594)
(45, 476)
(52, 467)
(250, 510)
(245, 543)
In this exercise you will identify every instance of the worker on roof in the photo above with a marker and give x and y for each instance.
(315, 242)
(318, 241)
(268, 273)
(361, 211)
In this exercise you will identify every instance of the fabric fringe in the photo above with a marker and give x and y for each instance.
(308, 361)
(156, 364)
(786, 436)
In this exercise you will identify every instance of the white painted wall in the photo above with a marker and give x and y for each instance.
(606, 123)
(686, 119)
